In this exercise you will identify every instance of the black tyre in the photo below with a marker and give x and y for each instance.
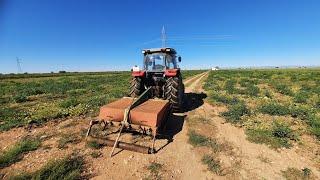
(136, 87)
(174, 92)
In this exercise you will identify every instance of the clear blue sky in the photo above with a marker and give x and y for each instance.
(92, 35)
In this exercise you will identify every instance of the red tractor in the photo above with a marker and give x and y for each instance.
(160, 72)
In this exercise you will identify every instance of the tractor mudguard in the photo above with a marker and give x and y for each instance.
(171, 72)
(138, 73)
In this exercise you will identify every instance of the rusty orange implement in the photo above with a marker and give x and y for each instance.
(150, 113)
(146, 116)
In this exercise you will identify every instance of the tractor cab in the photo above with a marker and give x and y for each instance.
(160, 59)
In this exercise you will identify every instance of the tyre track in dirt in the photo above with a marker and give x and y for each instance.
(192, 79)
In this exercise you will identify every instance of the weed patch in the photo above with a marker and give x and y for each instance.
(274, 109)
(314, 123)
(67, 168)
(224, 99)
(198, 140)
(252, 90)
(301, 97)
(235, 112)
(213, 164)
(67, 139)
(20, 98)
(283, 89)
(94, 145)
(72, 102)
(95, 154)
(294, 173)
(277, 137)
(230, 86)
(155, 169)
(15, 153)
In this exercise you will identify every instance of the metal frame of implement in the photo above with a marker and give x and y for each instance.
(125, 123)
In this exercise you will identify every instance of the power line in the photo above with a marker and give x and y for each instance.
(163, 37)
(19, 65)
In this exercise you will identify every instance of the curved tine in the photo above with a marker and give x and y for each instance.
(92, 122)
(141, 129)
(105, 124)
(153, 150)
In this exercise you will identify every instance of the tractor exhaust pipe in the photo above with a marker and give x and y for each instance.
(122, 145)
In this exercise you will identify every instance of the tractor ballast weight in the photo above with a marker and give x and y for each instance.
(160, 72)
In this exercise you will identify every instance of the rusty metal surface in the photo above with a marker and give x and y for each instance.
(149, 113)
(114, 111)
(122, 145)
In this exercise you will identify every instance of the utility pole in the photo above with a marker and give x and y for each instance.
(19, 65)
(163, 37)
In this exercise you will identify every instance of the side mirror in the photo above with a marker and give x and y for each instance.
(179, 58)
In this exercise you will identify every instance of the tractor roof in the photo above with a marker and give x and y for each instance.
(156, 50)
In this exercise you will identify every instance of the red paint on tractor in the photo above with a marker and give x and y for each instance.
(138, 73)
(171, 72)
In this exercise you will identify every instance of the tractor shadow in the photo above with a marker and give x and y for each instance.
(193, 101)
(176, 121)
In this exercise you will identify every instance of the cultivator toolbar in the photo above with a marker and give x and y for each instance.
(140, 114)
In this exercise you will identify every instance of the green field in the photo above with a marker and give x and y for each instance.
(274, 106)
(37, 98)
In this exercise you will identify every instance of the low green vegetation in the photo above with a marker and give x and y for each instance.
(295, 174)
(235, 113)
(225, 99)
(277, 136)
(283, 89)
(38, 98)
(213, 164)
(155, 169)
(274, 109)
(16, 152)
(199, 140)
(253, 96)
(95, 154)
(68, 139)
(94, 145)
(301, 97)
(69, 167)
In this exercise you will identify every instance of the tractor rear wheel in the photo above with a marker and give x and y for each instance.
(174, 92)
(136, 87)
